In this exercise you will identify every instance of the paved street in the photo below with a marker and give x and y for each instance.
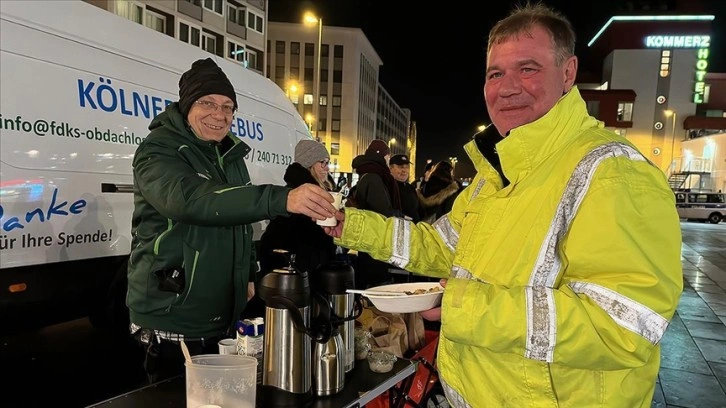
(75, 365)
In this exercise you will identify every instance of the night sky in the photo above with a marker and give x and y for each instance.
(434, 56)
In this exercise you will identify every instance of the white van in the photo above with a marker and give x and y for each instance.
(701, 206)
(78, 89)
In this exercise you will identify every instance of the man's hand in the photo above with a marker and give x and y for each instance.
(310, 200)
(337, 230)
(435, 313)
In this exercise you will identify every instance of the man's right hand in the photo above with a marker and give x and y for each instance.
(435, 313)
(310, 200)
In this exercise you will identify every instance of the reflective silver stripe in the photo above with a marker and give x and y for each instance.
(457, 272)
(401, 243)
(541, 310)
(541, 323)
(455, 399)
(478, 188)
(628, 313)
(447, 232)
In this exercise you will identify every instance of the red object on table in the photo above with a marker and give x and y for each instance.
(411, 391)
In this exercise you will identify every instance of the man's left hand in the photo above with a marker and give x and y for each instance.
(337, 230)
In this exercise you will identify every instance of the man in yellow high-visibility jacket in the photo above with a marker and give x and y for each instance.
(562, 256)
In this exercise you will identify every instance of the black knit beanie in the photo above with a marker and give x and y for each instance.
(204, 78)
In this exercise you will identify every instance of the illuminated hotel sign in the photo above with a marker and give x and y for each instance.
(701, 64)
(678, 41)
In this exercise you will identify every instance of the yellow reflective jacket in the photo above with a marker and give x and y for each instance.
(561, 284)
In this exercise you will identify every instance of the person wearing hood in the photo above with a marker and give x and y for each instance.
(438, 194)
(192, 251)
(299, 234)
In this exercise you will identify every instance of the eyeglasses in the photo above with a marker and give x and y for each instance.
(324, 163)
(209, 106)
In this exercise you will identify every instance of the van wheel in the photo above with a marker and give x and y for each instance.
(714, 218)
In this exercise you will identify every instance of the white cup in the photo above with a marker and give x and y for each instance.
(331, 221)
(227, 346)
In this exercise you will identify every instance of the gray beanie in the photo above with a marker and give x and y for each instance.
(309, 152)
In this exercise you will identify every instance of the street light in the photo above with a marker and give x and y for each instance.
(310, 18)
(453, 161)
(391, 142)
(481, 128)
(668, 113)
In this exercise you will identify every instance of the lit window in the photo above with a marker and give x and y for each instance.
(665, 60)
(625, 111)
(664, 74)
(295, 98)
(155, 21)
(666, 53)
(323, 100)
(308, 99)
(130, 10)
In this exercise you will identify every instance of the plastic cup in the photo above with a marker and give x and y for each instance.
(226, 380)
(331, 221)
(227, 346)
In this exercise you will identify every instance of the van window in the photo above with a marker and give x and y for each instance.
(680, 198)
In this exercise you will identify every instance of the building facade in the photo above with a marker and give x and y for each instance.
(233, 29)
(350, 95)
(656, 91)
(392, 124)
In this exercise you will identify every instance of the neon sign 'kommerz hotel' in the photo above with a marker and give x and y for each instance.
(655, 89)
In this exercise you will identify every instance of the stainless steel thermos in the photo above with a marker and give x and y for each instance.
(287, 371)
(332, 280)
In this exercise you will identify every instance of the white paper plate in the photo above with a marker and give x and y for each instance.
(409, 303)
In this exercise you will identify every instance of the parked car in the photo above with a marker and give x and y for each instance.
(701, 206)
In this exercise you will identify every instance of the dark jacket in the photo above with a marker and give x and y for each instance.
(297, 234)
(437, 198)
(192, 210)
(376, 189)
(409, 201)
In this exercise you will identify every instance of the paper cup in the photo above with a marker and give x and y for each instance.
(331, 221)
(227, 346)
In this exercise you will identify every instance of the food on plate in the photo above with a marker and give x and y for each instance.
(424, 291)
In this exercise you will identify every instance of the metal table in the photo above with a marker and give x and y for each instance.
(361, 386)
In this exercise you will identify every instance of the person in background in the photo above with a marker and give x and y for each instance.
(376, 191)
(192, 253)
(299, 234)
(400, 167)
(424, 178)
(439, 193)
(564, 267)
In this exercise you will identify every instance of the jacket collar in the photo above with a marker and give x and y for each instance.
(528, 145)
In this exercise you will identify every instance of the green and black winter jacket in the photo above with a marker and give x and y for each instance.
(193, 206)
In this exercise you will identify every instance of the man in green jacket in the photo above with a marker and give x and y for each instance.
(192, 257)
(562, 256)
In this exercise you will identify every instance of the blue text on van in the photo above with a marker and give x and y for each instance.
(43, 214)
